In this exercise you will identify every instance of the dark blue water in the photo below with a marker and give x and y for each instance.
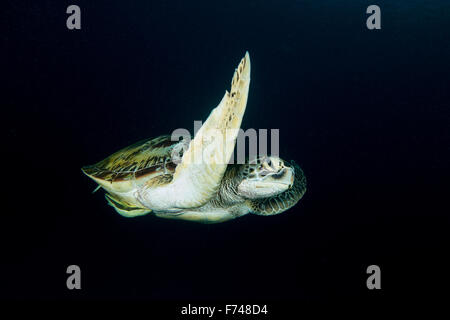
(365, 114)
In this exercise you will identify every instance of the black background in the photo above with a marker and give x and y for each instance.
(365, 114)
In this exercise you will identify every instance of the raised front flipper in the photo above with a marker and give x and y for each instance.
(198, 176)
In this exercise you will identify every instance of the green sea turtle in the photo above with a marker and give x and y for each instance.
(164, 177)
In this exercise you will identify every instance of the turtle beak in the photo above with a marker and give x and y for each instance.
(290, 173)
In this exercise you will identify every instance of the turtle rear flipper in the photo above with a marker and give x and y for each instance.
(124, 208)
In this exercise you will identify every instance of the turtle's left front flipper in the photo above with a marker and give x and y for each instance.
(198, 176)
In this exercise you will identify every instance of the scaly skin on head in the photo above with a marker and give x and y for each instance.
(267, 186)
(282, 202)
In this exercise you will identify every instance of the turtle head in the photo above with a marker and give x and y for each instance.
(265, 177)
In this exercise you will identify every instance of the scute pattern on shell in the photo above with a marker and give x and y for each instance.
(138, 160)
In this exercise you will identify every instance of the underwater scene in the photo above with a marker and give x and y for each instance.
(202, 154)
